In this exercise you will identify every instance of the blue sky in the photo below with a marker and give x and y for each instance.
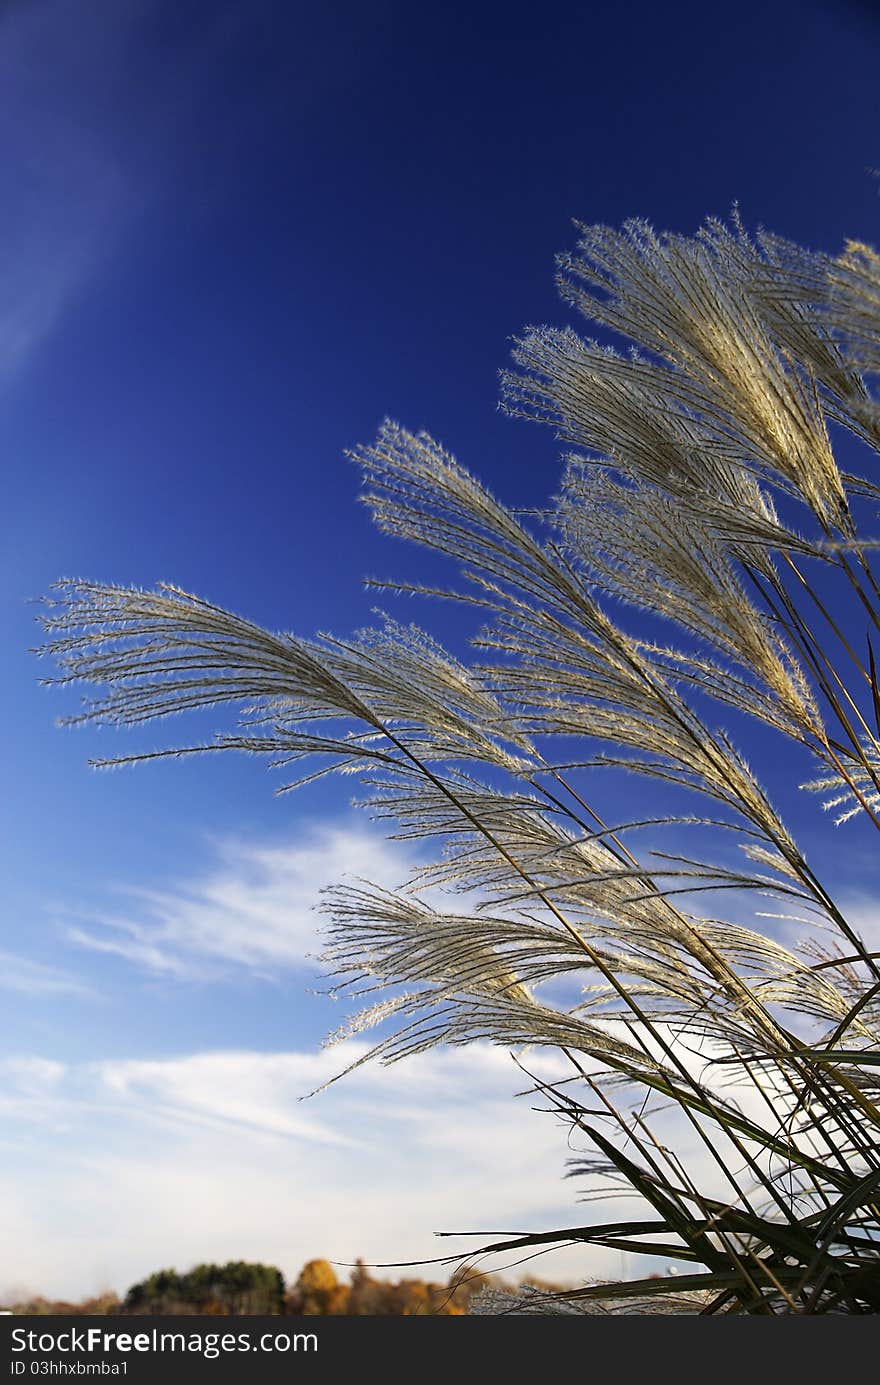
(234, 236)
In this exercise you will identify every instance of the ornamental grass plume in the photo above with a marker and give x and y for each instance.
(702, 577)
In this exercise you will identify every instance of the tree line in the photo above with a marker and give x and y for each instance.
(243, 1287)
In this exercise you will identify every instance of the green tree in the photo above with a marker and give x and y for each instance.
(236, 1287)
(702, 584)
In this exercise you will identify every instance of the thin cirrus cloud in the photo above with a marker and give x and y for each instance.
(73, 191)
(254, 908)
(91, 110)
(213, 1156)
(30, 978)
(122, 1167)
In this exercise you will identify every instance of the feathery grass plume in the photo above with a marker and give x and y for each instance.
(703, 578)
(855, 305)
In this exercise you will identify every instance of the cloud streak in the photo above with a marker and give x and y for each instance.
(31, 978)
(253, 910)
(92, 110)
(73, 190)
(213, 1156)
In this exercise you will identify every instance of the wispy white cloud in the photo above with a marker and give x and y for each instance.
(21, 974)
(33, 1074)
(68, 190)
(255, 908)
(862, 913)
(130, 944)
(31, 1098)
(92, 106)
(257, 1092)
(214, 1157)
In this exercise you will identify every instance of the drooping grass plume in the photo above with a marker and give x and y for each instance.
(703, 576)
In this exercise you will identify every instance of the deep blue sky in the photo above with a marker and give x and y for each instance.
(236, 235)
(233, 237)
